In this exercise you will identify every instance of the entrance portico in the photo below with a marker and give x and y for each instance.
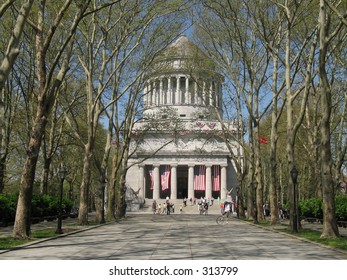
(180, 181)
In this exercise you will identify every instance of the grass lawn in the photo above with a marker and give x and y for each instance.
(8, 242)
(312, 235)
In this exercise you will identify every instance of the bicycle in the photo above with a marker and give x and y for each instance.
(223, 219)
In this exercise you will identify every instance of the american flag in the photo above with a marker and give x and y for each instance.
(199, 178)
(150, 171)
(165, 177)
(215, 178)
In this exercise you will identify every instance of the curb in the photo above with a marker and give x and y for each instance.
(297, 237)
(51, 238)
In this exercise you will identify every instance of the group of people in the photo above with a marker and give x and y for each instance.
(203, 207)
(165, 208)
(193, 201)
(203, 204)
(282, 213)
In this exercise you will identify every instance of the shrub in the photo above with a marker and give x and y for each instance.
(341, 207)
(314, 208)
(8, 205)
(67, 205)
(311, 208)
(41, 206)
(37, 206)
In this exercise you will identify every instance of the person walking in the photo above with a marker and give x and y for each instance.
(154, 206)
(168, 208)
(164, 208)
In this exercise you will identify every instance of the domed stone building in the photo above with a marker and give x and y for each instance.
(178, 149)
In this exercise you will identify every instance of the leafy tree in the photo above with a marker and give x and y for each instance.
(48, 87)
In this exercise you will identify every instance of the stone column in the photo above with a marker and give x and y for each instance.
(220, 94)
(186, 98)
(161, 93)
(154, 93)
(196, 93)
(223, 183)
(156, 183)
(204, 93)
(145, 91)
(141, 183)
(211, 94)
(150, 93)
(169, 91)
(178, 91)
(208, 192)
(190, 181)
(173, 181)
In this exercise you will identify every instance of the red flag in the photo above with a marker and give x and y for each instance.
(199, 178)
(263, 140)
(165, 177)
(216, 178)
(150, 171)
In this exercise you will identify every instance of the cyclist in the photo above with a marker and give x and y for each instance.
(224, 218)
(227, 209)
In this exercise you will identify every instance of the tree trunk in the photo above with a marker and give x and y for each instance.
(330, 228)
(240, 202)
(111, 190)
(273, 150)
(121, 188)
(45, 175)
(84, 188)
(250, 191)
(23, 214)
(258, 171)
(2, 175)
(121, 191)
(22, 224)
(290, 125)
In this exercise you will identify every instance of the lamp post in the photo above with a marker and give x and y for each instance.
(294, 175)
(103, 202)
(124, 189)
(62, 175)
(255, 202)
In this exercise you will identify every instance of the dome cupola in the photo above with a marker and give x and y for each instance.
(184, 79)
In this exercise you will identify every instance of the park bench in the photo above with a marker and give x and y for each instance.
(311, 220)
(316, 220)
(342, 224)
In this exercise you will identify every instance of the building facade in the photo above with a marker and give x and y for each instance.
(178, 148)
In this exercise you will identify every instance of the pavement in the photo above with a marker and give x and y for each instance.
(186, 236)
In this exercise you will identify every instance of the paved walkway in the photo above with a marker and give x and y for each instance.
(186, 236)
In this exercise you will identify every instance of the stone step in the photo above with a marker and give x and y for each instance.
(189, 209)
